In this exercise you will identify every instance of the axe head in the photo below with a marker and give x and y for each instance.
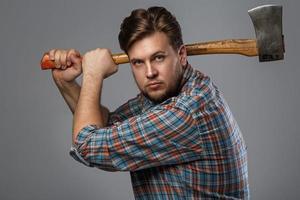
(267, 20)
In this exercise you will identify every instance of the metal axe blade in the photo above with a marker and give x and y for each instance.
(267, 21)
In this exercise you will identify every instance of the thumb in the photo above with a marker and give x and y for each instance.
(75, 59)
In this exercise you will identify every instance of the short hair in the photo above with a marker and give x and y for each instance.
(142, 23)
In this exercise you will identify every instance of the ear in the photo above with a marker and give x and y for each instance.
(182, 55)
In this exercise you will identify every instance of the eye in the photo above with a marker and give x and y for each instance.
(159, 58)
(137, 62)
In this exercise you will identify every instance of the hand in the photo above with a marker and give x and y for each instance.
(98, 63)
(67, 63)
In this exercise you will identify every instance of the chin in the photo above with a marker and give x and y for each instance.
(158, 97)
(161, 95)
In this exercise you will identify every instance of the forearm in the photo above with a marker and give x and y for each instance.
(88, 110)
(70, 92)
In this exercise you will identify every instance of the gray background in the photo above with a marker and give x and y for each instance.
(36, 124)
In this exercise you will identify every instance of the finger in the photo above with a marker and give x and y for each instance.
(71, 52)
(68, 57)
(57, 58)
(63, 59)
(51, 54)
(77, 53)
(75, 57)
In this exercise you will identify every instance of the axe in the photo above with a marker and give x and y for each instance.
(268, 45)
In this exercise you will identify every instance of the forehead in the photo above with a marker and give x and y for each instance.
(149, 45)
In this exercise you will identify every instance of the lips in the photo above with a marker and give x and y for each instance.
(154, 84)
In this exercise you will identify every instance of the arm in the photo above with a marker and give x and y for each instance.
(68, 68)
(97, 65)
(70, 92)
(88, 109)
(163, 136)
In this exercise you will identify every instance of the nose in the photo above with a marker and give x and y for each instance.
(151, 72)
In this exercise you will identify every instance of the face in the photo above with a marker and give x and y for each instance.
(157, 67)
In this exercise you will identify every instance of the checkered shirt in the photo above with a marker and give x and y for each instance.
(187, 147)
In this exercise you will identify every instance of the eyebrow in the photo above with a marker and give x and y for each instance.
(156, 53)
(151, 57)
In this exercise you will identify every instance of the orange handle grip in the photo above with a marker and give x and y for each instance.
(46, 63)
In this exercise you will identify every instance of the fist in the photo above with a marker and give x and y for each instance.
(98, 63)
(67, 64)
(64, 58)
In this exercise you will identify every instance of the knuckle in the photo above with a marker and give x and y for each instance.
(57, 52)
(105, 51)
(51, 51)
(71, 51)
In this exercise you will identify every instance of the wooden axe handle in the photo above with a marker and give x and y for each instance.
(246, 47)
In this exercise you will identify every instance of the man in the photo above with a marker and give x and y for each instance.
(178, 137)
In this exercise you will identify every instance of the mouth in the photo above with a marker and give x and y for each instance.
(154, 85)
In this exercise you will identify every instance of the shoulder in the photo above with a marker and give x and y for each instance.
(130, 108)
(197, 91)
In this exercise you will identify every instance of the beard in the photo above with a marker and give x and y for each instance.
(172, 90)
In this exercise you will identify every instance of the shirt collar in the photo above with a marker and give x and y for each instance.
(188, 71)
(145, 102)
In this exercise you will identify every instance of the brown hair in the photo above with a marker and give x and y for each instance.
(142, 23)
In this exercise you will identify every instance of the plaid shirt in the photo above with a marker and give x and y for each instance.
(188, 147)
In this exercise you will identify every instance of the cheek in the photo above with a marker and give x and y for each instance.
(138, 76)
(171, 74)
(177, 75)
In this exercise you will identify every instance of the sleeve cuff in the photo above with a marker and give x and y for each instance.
(81, 137)
(74, 153)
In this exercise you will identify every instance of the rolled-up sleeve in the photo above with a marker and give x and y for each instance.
(163, 136)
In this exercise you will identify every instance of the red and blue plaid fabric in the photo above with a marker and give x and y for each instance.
(188, 147)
